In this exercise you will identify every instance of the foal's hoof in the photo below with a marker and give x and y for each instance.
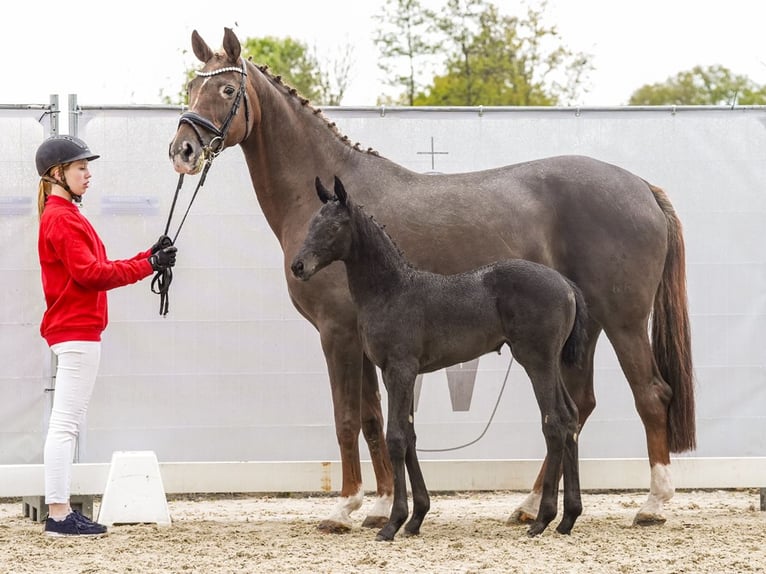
(386, 534)
(649, 519)
(333, 527)
(535, 529)
(375, 522)
(519, 517)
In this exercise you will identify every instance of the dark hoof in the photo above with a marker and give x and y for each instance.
(375, 522)
(411, 531)
(644, 519)
(519, 517)
(535, 529)
(333, 527)
(564, 528)
(386, 534)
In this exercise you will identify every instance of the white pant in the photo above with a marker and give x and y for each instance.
(75, 377)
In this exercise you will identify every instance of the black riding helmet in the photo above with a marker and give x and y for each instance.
(61, 149)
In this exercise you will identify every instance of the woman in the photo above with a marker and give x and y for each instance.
(76, 274)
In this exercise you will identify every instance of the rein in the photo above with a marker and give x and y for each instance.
(162, 279)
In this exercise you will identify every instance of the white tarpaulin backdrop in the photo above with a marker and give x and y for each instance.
(234, 373)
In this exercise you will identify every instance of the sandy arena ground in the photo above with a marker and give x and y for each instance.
(706, 532)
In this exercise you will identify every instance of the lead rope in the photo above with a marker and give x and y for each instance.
(163, 278)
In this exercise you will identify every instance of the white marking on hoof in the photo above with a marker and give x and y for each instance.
(382, 506)
(345, 506)
(528, 508)
(660, 491)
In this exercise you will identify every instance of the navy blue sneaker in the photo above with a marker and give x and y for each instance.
(75, 524)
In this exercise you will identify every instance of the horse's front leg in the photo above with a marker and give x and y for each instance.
(343, 353)
(421, 501)
(372, 429)
(400, 381)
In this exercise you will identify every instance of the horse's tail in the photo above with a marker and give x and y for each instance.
(575, 345)
(671, 335)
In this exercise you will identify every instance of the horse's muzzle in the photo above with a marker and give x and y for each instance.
(299, 269)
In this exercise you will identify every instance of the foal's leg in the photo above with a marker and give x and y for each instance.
(579, 383)
(554, 423)
(400, 382)
(372, 429)
(421, 501)
(572, 495)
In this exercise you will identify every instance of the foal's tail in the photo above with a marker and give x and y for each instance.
(574, 347)
(671, 335)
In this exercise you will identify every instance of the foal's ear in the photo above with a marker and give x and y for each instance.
(231, 44)
(340, 191)
(322, 192)
(200, 48)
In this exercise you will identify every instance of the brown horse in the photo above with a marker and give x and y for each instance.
(606, 229)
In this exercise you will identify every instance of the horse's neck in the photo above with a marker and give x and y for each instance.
(374, 263)
(292, 145)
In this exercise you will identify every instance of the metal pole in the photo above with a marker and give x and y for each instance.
(54, 114)
(74, 115)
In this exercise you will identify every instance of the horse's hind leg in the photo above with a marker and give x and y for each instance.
(555, 422)
(372, 429)
(579, 383)
(572, 495)
(652, 396)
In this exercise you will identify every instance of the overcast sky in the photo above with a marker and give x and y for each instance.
(126, 53)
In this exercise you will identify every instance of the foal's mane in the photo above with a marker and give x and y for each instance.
(291, 92)
(369, 225)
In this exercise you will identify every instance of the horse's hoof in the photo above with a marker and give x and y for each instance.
(375, 522)
(519, 517)
(411, 532)
(564, 529)
(333, 527)
(647, 519)
(535, 530)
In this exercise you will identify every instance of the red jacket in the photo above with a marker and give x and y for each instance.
(76, 274)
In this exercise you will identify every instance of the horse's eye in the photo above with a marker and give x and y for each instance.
(228, 90)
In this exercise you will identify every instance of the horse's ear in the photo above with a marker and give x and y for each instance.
(322, 192)
(231, 44)
(340, 191)
(200, 48)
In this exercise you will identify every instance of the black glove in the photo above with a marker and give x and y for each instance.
(164, 258)
(163, 241)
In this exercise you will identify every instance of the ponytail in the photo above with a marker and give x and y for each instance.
(43, 191)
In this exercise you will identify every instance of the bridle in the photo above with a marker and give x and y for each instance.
(196, 121)
(211, 150)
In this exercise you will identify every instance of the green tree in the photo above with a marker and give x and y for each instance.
(404, 40)
(297, 65)
(489, 58)
(712, 85)
(502, 60)
(288, 58)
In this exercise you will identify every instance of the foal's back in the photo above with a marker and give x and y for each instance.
(442, 320)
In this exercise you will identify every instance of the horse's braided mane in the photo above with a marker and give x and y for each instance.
(292, 92)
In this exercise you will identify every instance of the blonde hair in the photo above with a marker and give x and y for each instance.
(45, 187)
